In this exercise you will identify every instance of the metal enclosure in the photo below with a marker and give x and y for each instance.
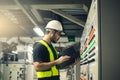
(100, 42)
(17, 71)
(89, 45)
(109, 26)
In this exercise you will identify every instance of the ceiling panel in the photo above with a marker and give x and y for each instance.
(19, 17)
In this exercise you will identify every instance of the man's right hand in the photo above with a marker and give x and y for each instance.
(62, 59)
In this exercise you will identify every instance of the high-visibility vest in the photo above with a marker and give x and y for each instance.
(53, 71)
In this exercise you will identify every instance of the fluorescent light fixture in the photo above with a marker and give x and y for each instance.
(38, 31)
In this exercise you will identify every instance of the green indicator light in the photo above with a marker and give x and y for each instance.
(91, 44)
(89, 47)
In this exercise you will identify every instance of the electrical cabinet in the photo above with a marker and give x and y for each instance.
(89, 46)
(99, 42)
(17, 71)
(13, 71)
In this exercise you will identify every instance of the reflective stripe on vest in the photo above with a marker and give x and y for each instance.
(54, 71)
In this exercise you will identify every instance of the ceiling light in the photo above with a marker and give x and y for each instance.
(38, 31)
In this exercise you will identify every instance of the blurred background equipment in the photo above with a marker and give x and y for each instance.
(7, 53)
(16, 62)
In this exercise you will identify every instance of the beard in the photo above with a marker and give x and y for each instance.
(53, 39)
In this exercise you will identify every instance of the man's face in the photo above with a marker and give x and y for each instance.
(55, 37)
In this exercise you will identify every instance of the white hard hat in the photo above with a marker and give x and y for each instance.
(54, 24)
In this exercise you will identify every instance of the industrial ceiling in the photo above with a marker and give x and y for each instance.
(19, 17)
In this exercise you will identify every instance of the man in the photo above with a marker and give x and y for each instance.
(44, 54)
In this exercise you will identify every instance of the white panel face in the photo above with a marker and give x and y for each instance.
(17, 71)
(89, 45)
(30, 73)
(1, 71)
(13, 72)
(84, 72)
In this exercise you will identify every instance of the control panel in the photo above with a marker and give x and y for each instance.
(89, 46)
(14, 72)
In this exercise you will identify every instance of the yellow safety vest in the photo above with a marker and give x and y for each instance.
(54, 71)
